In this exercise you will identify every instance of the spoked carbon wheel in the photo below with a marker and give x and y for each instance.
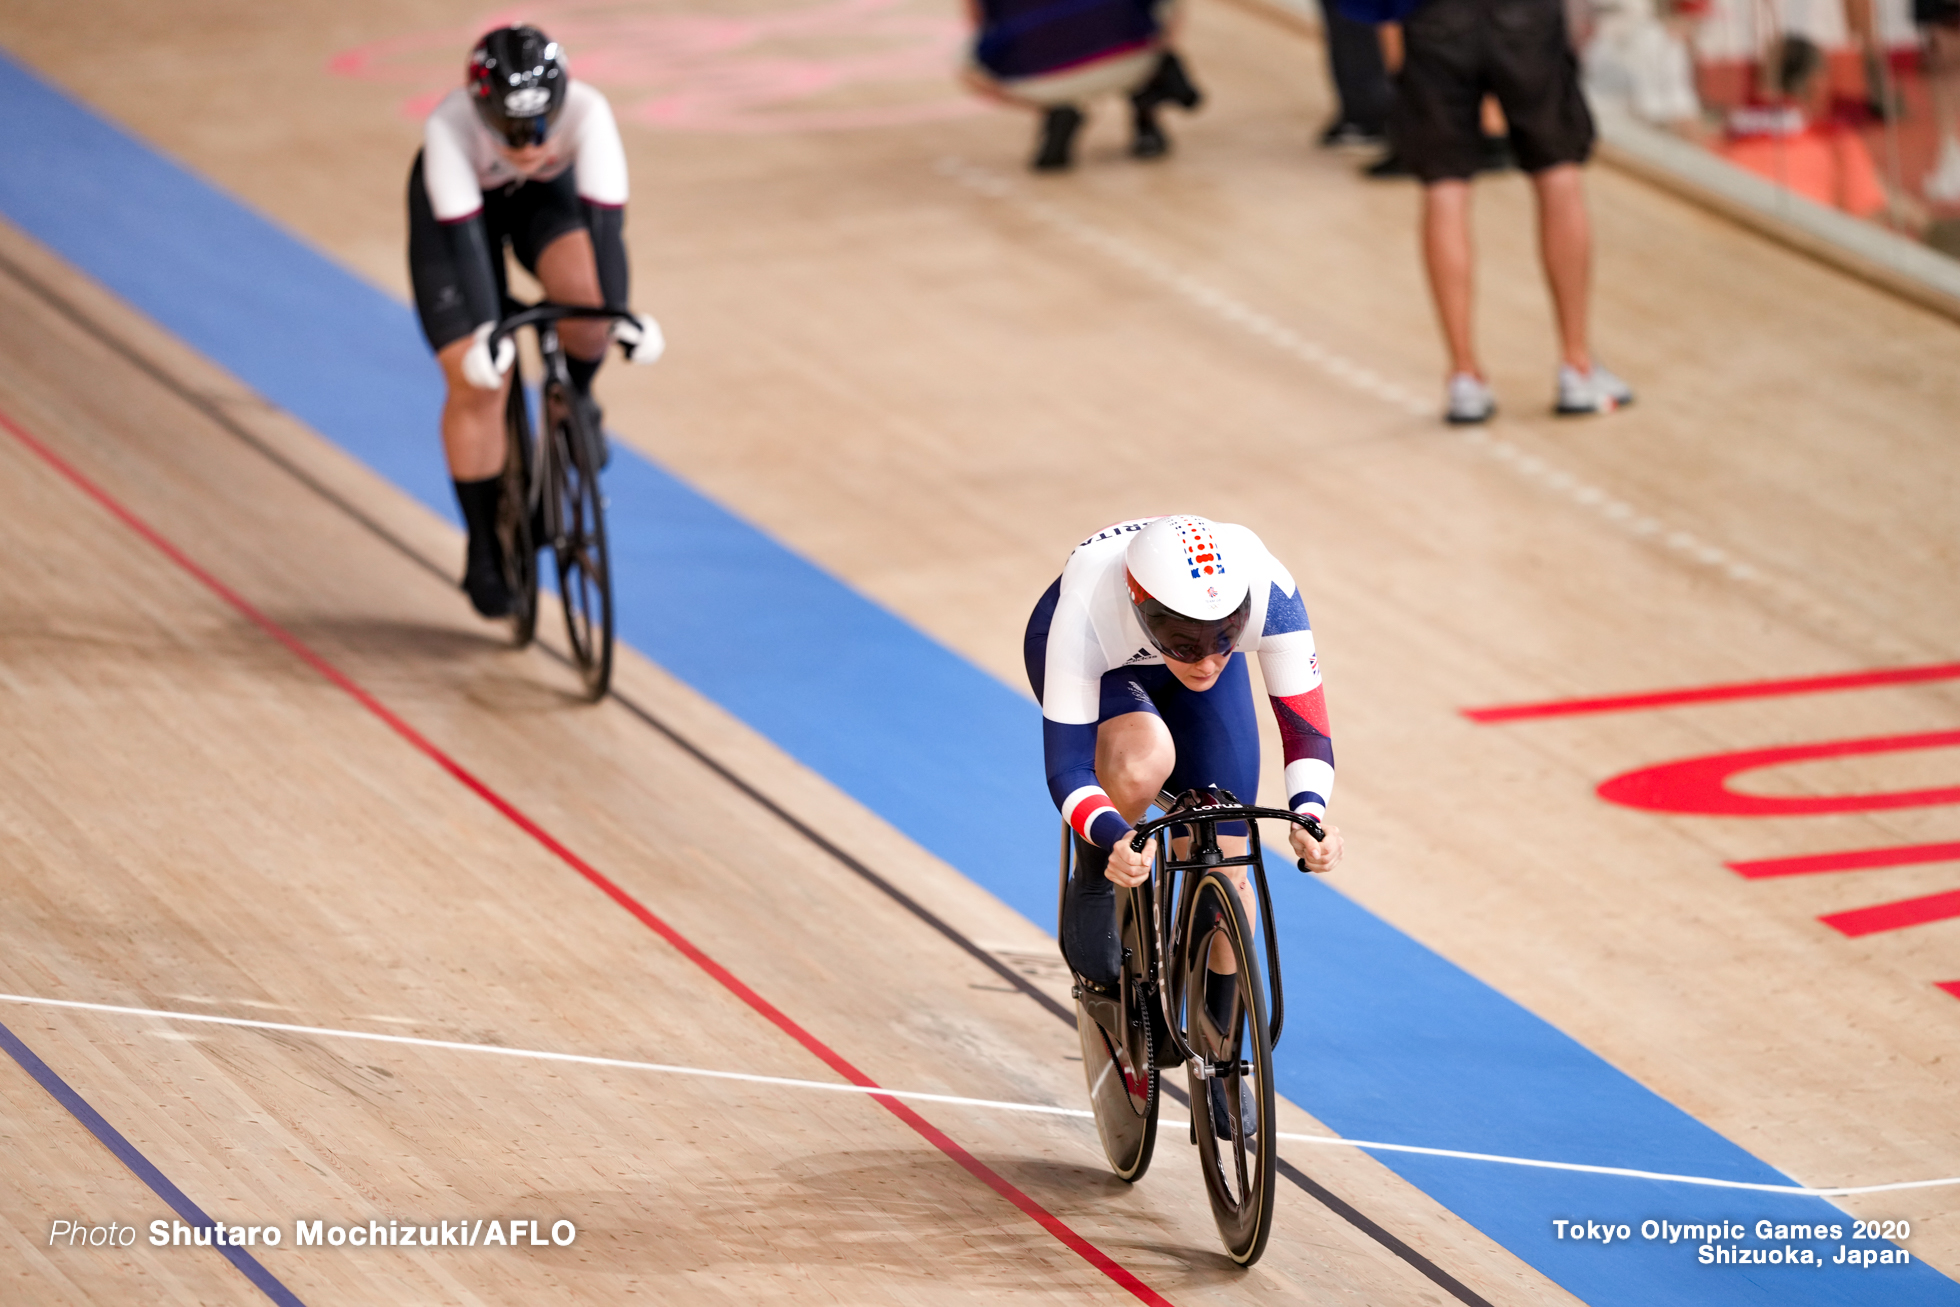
(514, 520)
(579, 542)
(1121, 1072)
(1232, 1111)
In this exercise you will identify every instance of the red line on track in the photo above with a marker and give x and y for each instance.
(1711, 693)
(722, 975)
(1950, 986)
(1902, 855)
(1895, 916)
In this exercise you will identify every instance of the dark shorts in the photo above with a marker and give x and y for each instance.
(1936, 13)
(1456, 52)
(1028, 38)
(529, 215)
(1215, 733)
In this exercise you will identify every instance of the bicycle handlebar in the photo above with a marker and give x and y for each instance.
(1224, 812)
(544, 313)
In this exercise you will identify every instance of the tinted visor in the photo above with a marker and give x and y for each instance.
(1188, 639)
(519, 133)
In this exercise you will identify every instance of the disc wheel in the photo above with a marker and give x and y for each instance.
(1121, 1071)
(1234, 1130)
(584, 567)
(515, 533)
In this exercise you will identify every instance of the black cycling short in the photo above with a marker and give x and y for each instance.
(529, 215)
(1456, 52)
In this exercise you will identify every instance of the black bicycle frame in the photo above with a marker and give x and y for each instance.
(545, 317)
(1175, 881)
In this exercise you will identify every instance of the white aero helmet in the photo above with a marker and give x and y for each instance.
(1192, 598)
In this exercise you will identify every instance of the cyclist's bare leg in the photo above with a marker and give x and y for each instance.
(570, 275)
(1134, 754)
(1221, 961)
(1134, 757)
(472, 419)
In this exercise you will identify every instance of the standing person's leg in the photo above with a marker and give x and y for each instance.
(1940, 29)
(1565, 245)
(1436, 129)
(1535, 75)
(1446, 253)
(1361, 86)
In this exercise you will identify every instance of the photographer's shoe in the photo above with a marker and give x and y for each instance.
(1056, 152)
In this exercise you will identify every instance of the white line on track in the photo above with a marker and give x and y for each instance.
(1357, 376)
(996, 1105)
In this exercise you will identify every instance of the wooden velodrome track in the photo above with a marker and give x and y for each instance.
(930, 375)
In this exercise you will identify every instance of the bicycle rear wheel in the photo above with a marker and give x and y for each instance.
(514, 519)
(1235, 1130)
(1118, 1059)
(584, 566)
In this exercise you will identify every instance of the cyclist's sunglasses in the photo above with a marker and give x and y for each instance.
(522, 133)
(1186, 639)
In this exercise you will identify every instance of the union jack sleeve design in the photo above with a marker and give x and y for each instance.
(1309, 751)
(1094, 817)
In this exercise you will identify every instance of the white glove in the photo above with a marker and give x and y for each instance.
(641, 336)
(482, 371)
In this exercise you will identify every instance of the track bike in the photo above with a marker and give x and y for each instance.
(1159, 1016)
(551, 497)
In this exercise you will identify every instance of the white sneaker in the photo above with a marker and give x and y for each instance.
(1942, 185)
(1470, 400)
(1598, 391)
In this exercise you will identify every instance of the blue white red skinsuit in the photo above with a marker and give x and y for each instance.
(1095, 630)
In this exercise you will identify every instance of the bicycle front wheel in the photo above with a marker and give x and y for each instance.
(516, 534)
(1118, 1059)
(584, 566)
(1231, 1106)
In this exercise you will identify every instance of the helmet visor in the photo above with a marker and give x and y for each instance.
(1189, 639)
(521, 133)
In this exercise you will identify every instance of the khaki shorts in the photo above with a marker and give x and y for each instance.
(1122, 72)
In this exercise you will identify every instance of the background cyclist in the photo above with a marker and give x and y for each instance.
(523, 155)
(1137, 654)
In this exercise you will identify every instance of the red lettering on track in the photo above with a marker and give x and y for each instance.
(1714, 693)
(1895, 916)
(1902, 855)
(1700, 785)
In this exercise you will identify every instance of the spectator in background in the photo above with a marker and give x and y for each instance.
(1939, 28)
(1454, 53)
(1054, 55)
(1791, 137)
(1354, 61)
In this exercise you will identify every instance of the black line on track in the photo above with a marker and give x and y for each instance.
(214, 410)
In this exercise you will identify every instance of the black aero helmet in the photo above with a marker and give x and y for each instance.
(517, 82)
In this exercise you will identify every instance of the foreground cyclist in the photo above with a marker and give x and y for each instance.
(522, 155)
(1137, 654)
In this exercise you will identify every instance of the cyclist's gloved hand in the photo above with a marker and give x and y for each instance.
(1320, 856)
(479, 369)
(1128, 868)
(641, 337)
